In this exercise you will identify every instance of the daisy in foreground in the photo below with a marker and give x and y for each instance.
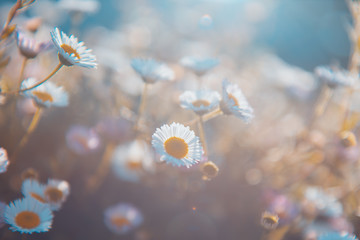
(71, 51)
(177, 145)
(28, 215)
(234, 102)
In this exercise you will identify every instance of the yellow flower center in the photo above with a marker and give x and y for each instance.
(234, 99)
(37, 197)
(54, 194)
(120, 221)
(43, 96)
(69, 50)
(200, 102)
(134, 165)
(176, 147)
(27, 220)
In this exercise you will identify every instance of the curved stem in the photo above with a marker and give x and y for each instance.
(202, 134)
(34, 122)
(22, 73)
(205, 117)
(96, 180)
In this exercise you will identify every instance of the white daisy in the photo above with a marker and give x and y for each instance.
(234, 102)
(56, 193)
(201, 101)
(177, 145)
(152, 71)
(4, 161)
(72, 52)
(33, 189)
(46, 94)
(199, 65)
(334, 77)
(28, 215)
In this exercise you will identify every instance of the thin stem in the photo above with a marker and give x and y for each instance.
(22, 73)
(321, 105)
(202, 134)
(34, 122)
(142, 104)
(205, 117)
(96, 180)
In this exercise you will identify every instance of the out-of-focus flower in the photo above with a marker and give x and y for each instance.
(152, 71)
(33, 189)
(28, 46)
(82, 140)
(337, 236)
(347, 139)
(28, 215)
(234, 102)
(4, 161)
(209, 169)
(286, 209)
(334, 77)
(131, 160)
(2, 210)
(199, 65)
(72, 52)
(56, 193)
(84, 6)
(177, 145)
(201, 101)
(46, 94)
(115, 129)
(122, 218)
(269, 220)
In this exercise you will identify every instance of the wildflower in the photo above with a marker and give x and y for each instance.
(201, 101)
(269, 220)
(129, 161)
(46, 94)
(28, 215)
(72, 52)
(334, 77)
(234, 102)
(199, 65)
(152, 71)
(4, 161)
(337, 236)
(82, 140)
(177, 145)
(56, 193)
(31, 188)
(348, 139)
(122, 218)
(209, 169)
(28, 47)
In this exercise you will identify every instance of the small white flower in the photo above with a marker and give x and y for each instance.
(234, 102)
(56, 193)
(152, 71)
(46, 94)
(199, 65)
(72, 52)
(201, 101)
(177, 145)
(334, 77)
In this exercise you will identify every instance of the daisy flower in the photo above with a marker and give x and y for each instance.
(28, 215)
(129, 161)
(28, 46)
(122, 218)
(152, 71)
(82, 140)
(4, 161)
(72, 52)
(56, 193)
(31, 188)
(199, 65)
(46, 94)
(334, 77)
(337, 236)
(234, 102)
(177, 145)
(201, 101)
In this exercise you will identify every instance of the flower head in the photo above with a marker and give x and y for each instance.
(234, 102)
(72, 52)
(31, 188)
(201, 101)
(130, 160)
(199, 65)
(28, 46)
(28, 215)
(334, 77)
(152, 71)
(4, 161)
(177, 145)
(46, 94)
(56, 193)
(122, 218)
(269, 220)
(82, 140)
